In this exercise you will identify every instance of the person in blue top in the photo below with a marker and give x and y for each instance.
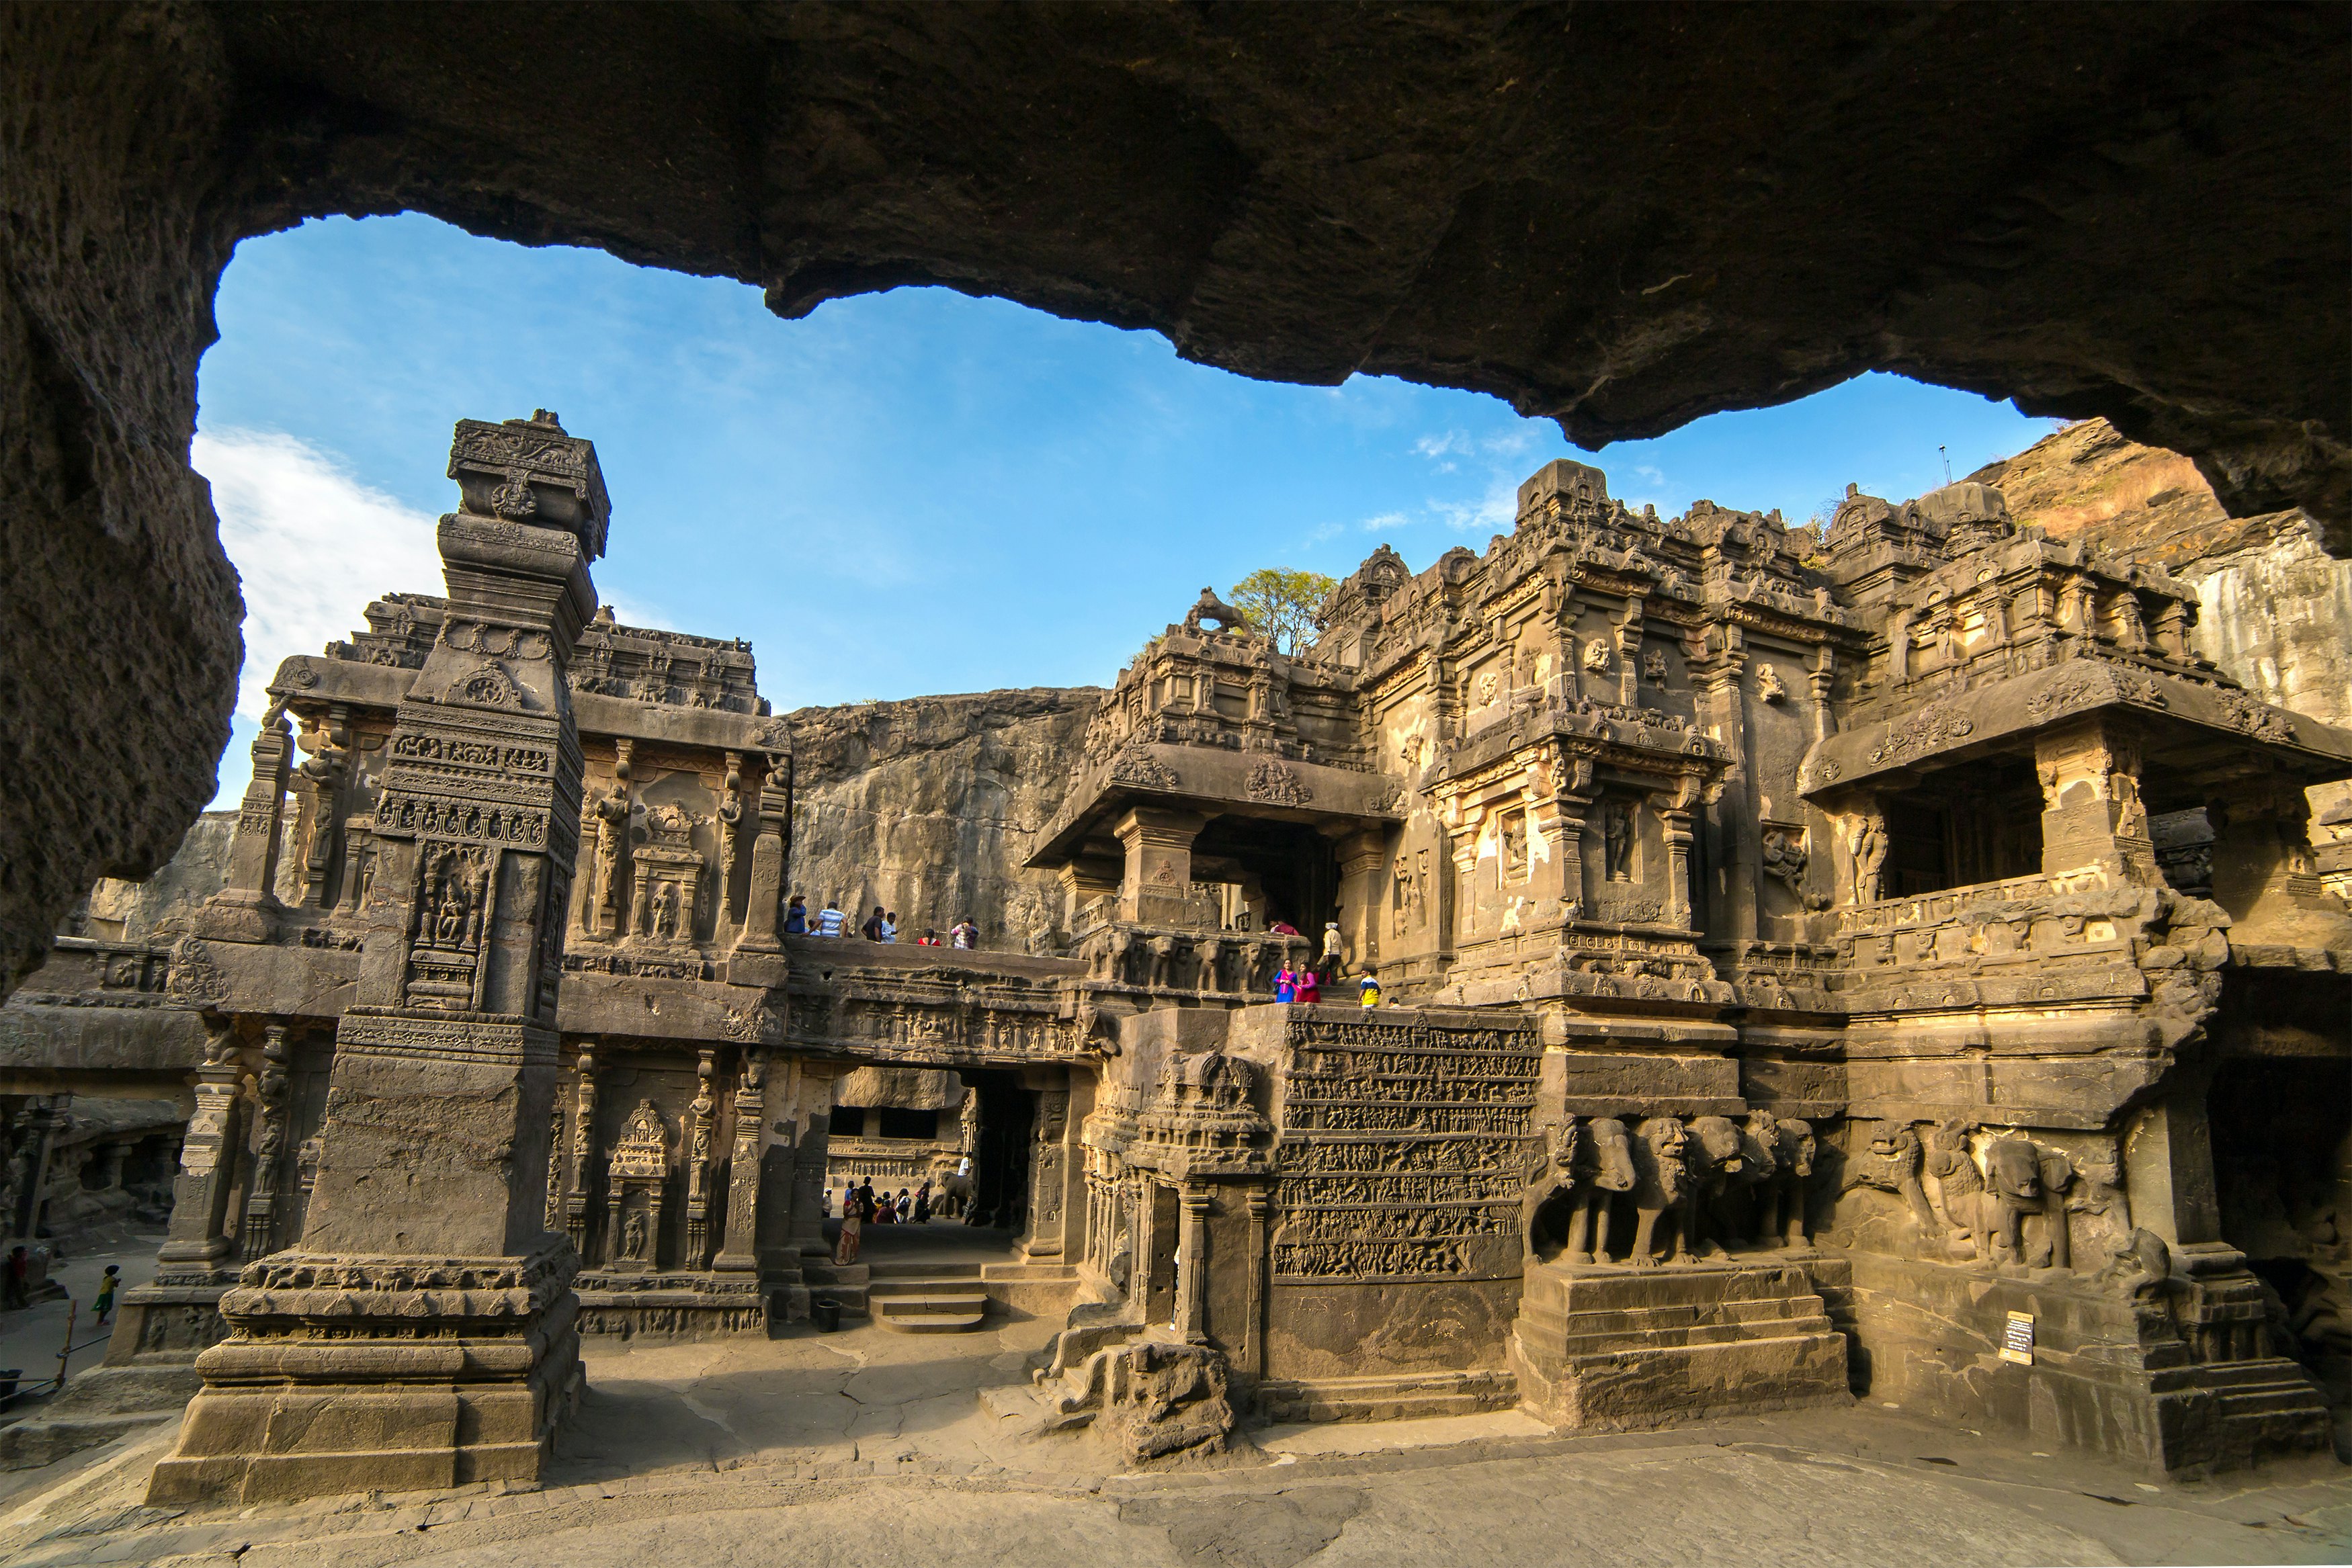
(796, 916)
(831, 922)
(1368, 989)
(1285, 986)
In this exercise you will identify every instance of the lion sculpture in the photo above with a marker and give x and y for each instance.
(1659, 1144)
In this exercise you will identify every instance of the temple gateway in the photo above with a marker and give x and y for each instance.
(1889, 960)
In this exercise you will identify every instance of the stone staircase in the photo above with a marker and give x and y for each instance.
(1602, 1349)
(926, 1297)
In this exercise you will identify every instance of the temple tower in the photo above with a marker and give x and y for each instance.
(421, 1334)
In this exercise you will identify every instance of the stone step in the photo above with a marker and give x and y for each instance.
(925, 1285)
(922, 1270)
(929, 1302)
(941, 1314)
(1026, 1273)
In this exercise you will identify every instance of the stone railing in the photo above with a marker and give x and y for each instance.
(1167, 959)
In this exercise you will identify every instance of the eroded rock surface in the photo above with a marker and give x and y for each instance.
(929, 806)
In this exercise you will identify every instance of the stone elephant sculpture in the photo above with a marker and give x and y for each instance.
(1605, 1169)
(1781, 1214)
(1110, 955)
(1160, 953)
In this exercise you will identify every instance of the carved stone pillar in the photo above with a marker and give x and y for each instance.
(1158, 878)
(1821, 674)
(1193, 1264)
(240, 912)
(760, 944)
(577, 1199)
(2265, 872)
(739, 1252)
(454, 1350)
(699, 1124)
(270, 1149)
(2091, 812)
(1051, 1164)
(1675, 826)
(38, 1141)
(1363, 862)
(1260, 1202)
(318, 782)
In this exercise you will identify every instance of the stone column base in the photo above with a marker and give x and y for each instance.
(346, 1374)
(1621, 1349)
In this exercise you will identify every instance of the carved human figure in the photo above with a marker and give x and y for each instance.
(612, 832)
(1617, 826)
(1769, 684)
(633, 1235)
(1713, 1157)
(1866, 847)
(666, 909)
(1606, 1168)
(1658, 1190)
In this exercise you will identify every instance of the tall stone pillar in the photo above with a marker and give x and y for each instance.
(39, 1142)
(1158, 878)
(422, 1335)
(738, 1252)
(2091, 811)
(270, 1094)
(1193, 1264)
(759, 949)
(1363, 860)
(1055, 1167)
(198, 1244)
(241, 911)
(2264, 871)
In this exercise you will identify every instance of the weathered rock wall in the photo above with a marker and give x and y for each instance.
(130, 911)
(928, 806)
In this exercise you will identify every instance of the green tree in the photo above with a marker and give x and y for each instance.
(1281, 604)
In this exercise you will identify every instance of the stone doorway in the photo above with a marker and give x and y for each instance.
(1285, 870)
(1000, 1166)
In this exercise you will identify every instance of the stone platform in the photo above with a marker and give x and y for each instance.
(1620, 1349)
(2111, 1372)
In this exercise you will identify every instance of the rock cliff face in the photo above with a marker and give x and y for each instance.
(928, 806)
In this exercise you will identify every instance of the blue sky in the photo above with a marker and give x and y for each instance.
(903, 493)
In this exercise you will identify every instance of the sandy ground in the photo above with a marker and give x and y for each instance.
(866, 1448)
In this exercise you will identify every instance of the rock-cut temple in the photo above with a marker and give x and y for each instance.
(1812, 964)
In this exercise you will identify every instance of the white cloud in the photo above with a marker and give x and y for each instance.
(1652, 475)
(1325, 531)
(1386, 520)
(1491, 513)
(1508, 443)
(312, 544)
(1451, 443)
